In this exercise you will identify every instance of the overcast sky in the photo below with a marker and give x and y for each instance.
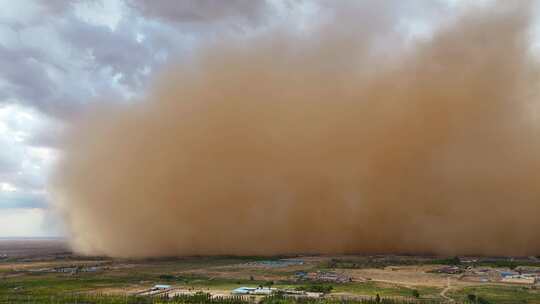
(59, 56)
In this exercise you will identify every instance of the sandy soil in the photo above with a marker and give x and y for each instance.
(403, 275)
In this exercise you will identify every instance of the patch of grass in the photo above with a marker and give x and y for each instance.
(373, 288)
(54, 284)
(388, 290)
(429, 291)
(378, 262)
(506, 264)
(499, 294)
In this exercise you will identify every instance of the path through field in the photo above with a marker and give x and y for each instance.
(445, 290)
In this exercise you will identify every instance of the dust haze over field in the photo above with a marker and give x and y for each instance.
(346, 138)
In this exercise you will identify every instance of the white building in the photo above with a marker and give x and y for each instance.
(519, 279)
(262, 291)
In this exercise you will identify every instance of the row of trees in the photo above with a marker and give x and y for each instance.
(204, 298)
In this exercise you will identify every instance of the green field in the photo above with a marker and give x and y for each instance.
(500, 294)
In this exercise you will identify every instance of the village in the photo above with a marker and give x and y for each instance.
(466, 273)
(260, 291)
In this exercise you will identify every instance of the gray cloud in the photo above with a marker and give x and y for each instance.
(59, 65)
(25, 73)
(57, 61)
(205, 11)
(8, 162)
(117, 49)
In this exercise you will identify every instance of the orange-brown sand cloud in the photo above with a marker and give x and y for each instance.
(329, 141)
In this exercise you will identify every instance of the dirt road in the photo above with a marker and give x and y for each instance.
(445, 290)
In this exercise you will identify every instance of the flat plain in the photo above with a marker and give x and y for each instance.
(41, 268)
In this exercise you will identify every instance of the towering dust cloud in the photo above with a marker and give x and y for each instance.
(341, 139)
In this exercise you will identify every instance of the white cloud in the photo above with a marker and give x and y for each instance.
(7, 187)
(102, 12)
(19, 11)
(24, 164)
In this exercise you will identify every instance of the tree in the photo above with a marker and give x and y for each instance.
(482, 300)
(317, 288)
(455, 261)
(167, 277)
(415, 293)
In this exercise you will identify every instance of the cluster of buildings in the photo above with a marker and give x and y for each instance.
(449, 270)
(517, 276)
(277, 263)
(69, 269)
(256, 291)
(520, 278)
(156, 290)
(267, 291)
(76, 269)
(164, 289)
(323, 276)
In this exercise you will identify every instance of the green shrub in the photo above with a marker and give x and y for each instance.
(317, 288)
